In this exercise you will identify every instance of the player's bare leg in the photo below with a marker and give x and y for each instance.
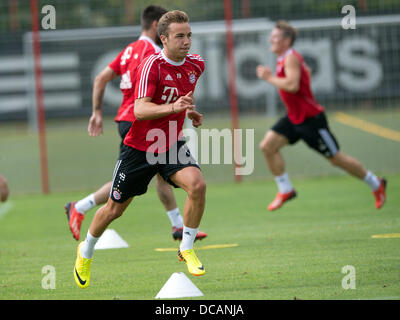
(105, 215)
(355, 168)
(270, 147)
(101, 195)
(348, 164)
(165, 193)
(191, 180)
(167, 198)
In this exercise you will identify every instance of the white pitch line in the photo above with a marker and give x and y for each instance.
(380, 298)
(5, 208)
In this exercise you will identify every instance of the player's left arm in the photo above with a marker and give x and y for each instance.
(95, 126)
(291, 81)
(196, 117)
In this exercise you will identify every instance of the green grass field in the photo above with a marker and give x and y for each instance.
(298, 251)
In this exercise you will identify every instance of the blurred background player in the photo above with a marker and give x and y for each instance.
(124, 65)
(305, 119)
(4, 191)
(177, 71)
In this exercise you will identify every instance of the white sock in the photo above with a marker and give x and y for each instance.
(188, 237)
(87, 248)
(284, 184)
(85, 204)
(175, 218)
(372, 180)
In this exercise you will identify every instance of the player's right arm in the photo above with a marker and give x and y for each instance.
(100, 82)
(290, 82)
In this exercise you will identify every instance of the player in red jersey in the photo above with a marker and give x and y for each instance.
(163, 98)
(305, 120)
(124, 65)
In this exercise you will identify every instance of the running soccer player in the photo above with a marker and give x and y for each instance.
(164, 88)
(305, 120)
(125, 65)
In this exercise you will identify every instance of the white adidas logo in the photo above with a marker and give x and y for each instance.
(168, 77)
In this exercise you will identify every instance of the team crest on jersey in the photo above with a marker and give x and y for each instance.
(116, 195)
(192, 77)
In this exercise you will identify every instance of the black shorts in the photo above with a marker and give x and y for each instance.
(314, 131)
(123, 129)
(135, 169)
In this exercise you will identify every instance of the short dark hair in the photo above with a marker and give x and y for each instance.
(151, 14)
(287, 30)
(171, 17)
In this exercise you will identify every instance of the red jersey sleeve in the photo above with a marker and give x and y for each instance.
(200, 62)
(202, 66)
(148, 50)
(147, 77)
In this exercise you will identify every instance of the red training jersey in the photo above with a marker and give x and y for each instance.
(302, 104)
(124, 65)
(164, 81)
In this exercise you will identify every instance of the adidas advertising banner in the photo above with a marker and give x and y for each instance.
(347, 66)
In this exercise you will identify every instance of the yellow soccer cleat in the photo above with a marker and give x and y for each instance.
(82, 269)
(195, 267)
